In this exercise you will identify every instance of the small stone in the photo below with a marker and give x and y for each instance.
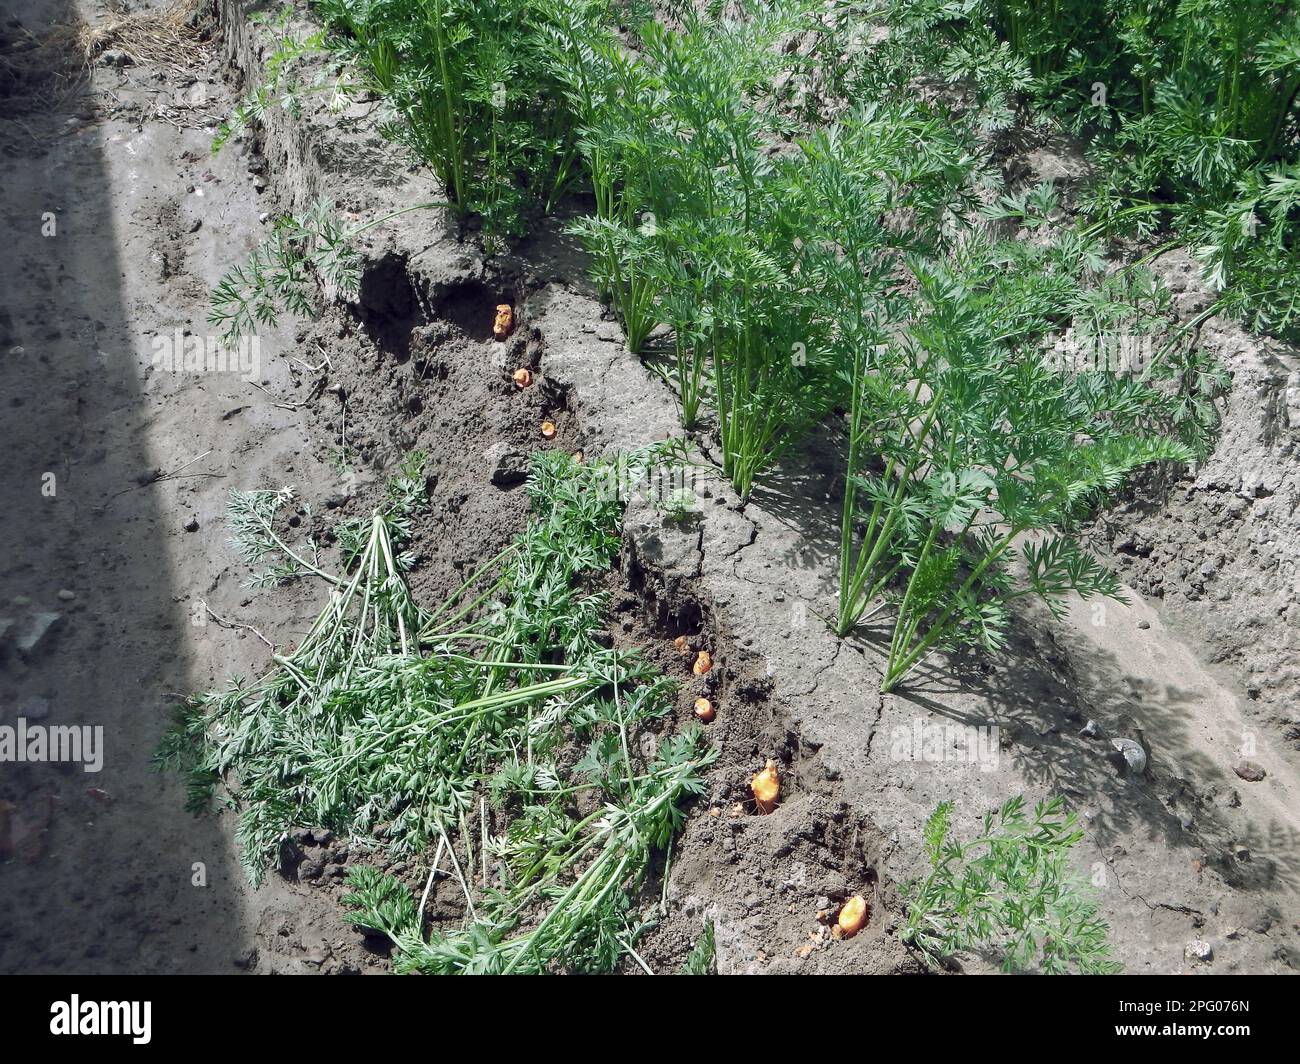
(192, 525)
(1198, 950)
(1144, 625)
(67, 595)
(1134, 756)
(1090, 730)
(1249, 771)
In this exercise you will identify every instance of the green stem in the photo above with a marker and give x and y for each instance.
(897, 670)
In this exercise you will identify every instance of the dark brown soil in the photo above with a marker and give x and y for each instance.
(785, 873)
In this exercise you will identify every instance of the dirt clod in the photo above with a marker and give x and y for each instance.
(1249, 771)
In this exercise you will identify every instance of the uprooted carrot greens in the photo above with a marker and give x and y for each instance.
(441, 733)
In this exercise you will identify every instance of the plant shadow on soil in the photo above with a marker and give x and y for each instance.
(97, 871)
(1042, 690)
(1041, 696)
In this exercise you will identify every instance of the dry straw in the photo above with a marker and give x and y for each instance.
(47, 71)
(167, 35)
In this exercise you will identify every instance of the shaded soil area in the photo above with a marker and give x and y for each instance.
(102, 870)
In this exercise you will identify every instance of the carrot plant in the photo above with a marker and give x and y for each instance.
(283, 734)
(284, 84)
(1009, 890)
(473, 95)
(1003, 470)
(1192, 111)
(692, 225)
(988, 452)
(1247, 245)
(877, 162)
(702, 960)
(281, 273)
(605, 87)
